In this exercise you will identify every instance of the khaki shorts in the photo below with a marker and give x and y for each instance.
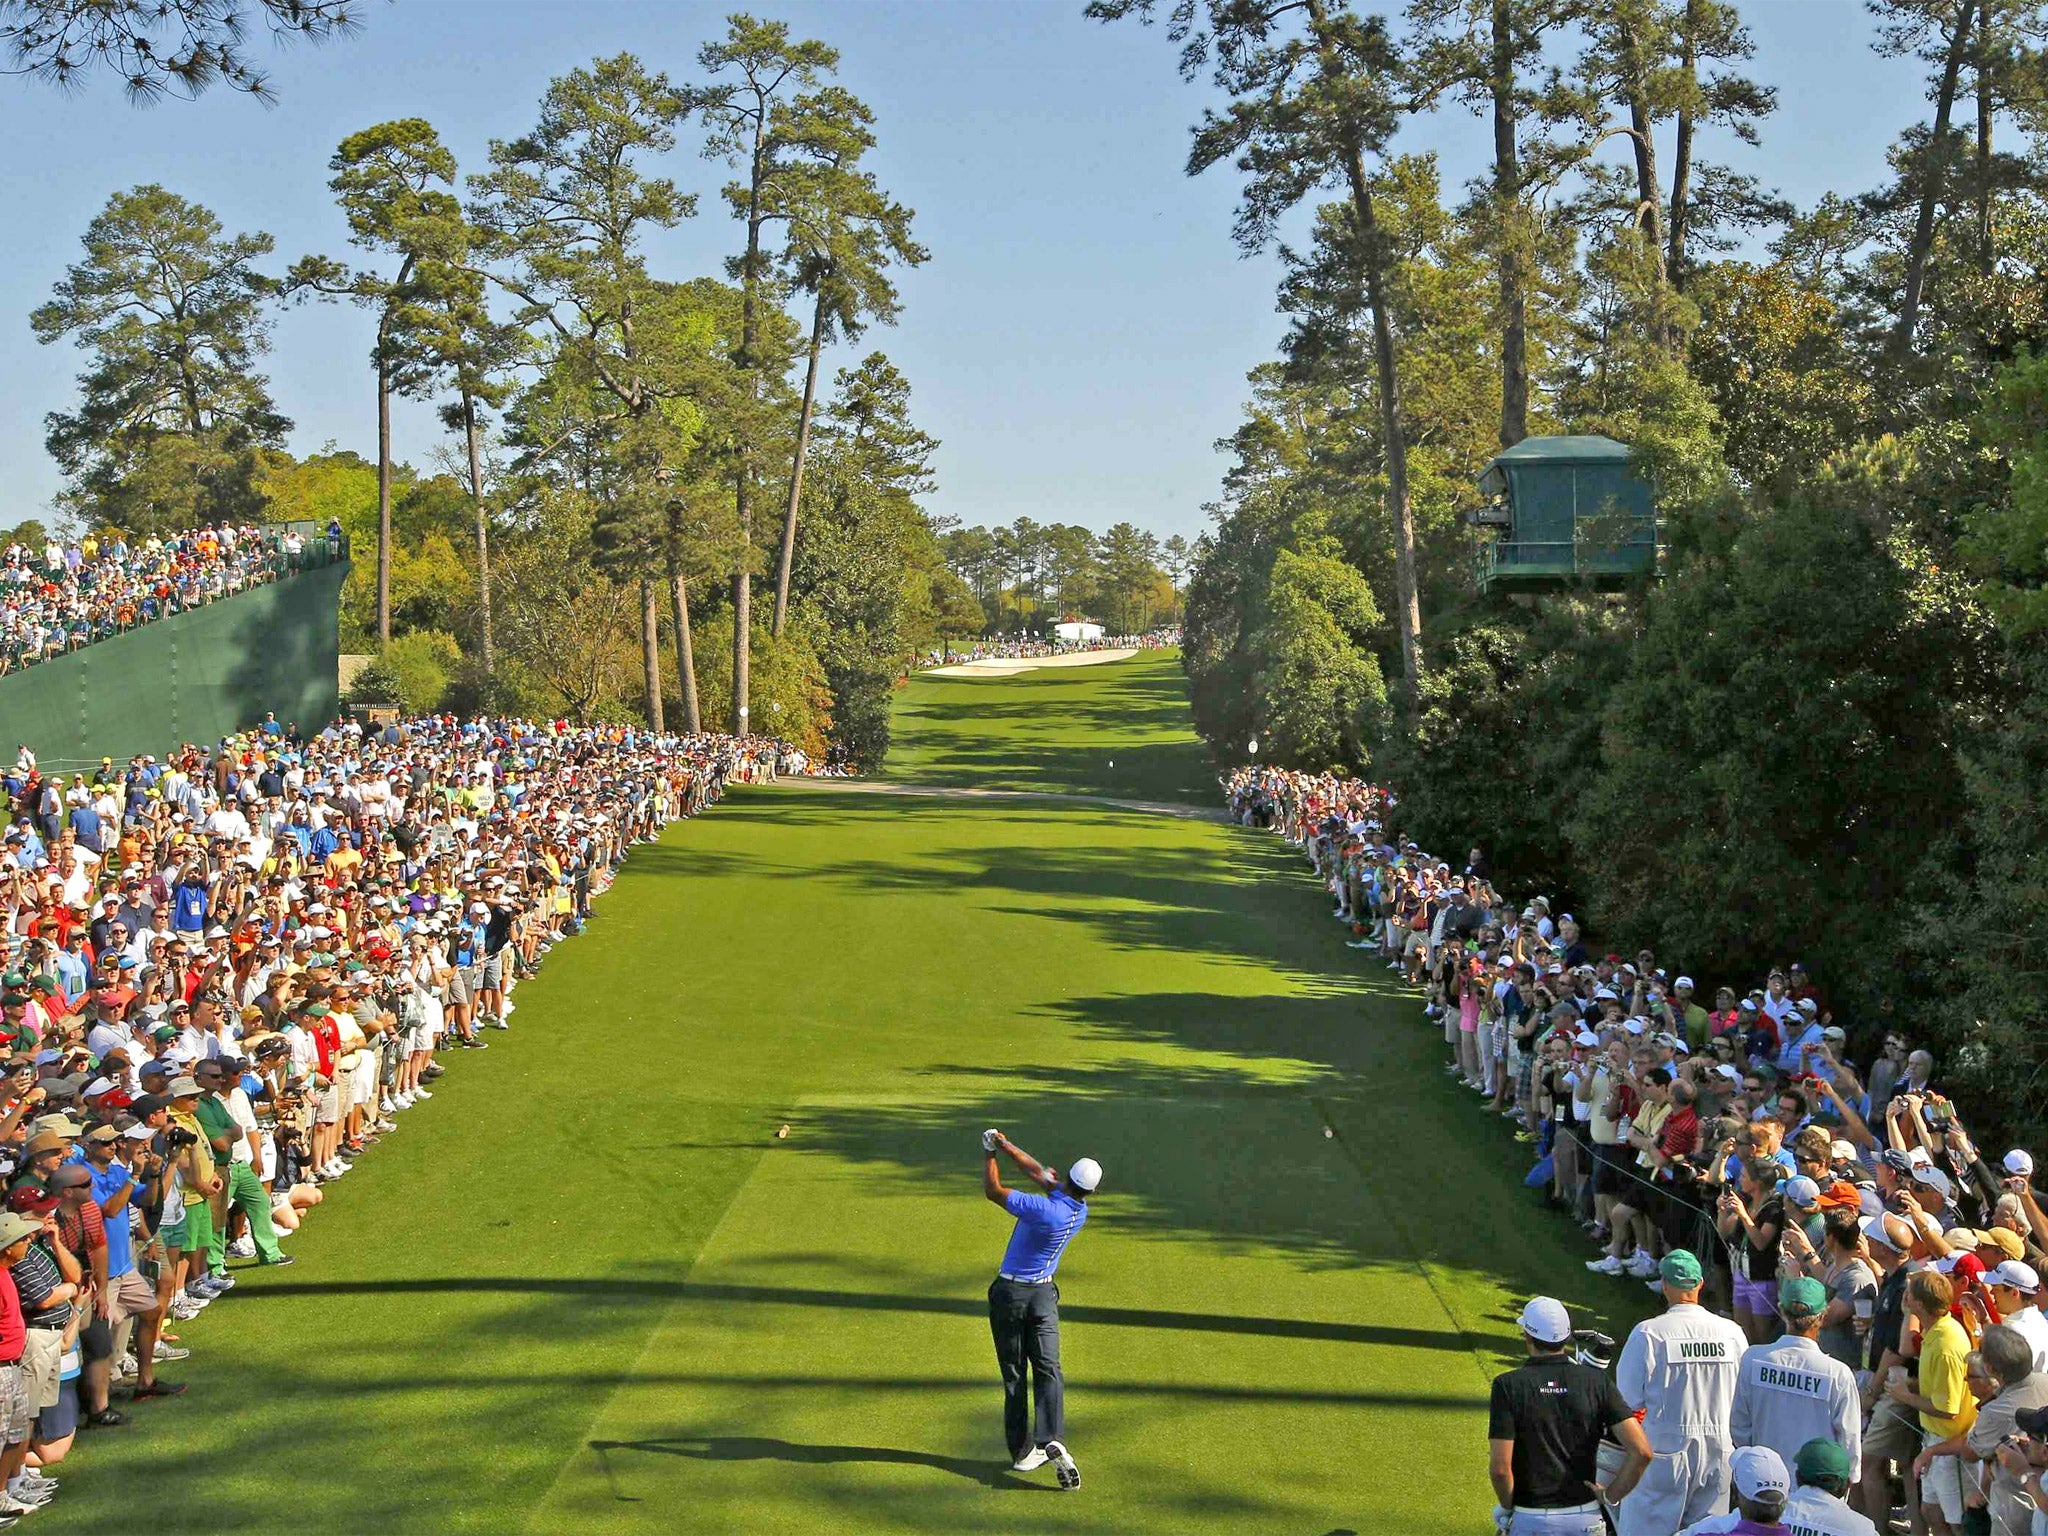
(132, 1296)
(41, 1361)
(15, 1413)
(1893, 1433)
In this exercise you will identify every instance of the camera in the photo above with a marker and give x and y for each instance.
(177, 1138)
(1939, 1117)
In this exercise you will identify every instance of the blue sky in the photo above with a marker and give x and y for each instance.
(1078, 341)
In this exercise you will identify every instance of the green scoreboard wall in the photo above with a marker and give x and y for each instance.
(194, 677)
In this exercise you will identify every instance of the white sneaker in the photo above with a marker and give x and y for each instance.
(242, 1248)
(1606, 1264)
(510, 1009)
(1030, 1461)
(403, 1101)
(386, 1104)
(1062, 1463)
(421, 1093)
(1642, 1266)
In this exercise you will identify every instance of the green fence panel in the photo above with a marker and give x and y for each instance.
(196, 677)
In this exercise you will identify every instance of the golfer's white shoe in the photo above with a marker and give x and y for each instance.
(1030, 1461)
(1062, 1463)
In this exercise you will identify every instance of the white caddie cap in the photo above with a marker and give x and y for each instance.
(1085, 1174)
(1758, 1472)
(1546, 1321)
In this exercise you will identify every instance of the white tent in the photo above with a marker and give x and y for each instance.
(1078, 629)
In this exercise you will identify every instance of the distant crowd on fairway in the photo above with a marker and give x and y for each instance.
(1010, 650)
(58, 597)
(1803, 1174)
(228, 973)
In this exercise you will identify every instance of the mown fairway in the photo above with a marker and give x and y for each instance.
(586, 1289)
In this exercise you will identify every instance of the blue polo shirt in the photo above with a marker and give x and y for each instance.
(1045, 1225)
(120, 1241)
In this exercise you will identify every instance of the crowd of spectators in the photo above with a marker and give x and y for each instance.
(228, 974)
(1027, 646)
(1803, 1175)
(58, 597)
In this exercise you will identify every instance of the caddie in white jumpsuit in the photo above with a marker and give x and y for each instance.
(1789, 1392)
(1680, 1371)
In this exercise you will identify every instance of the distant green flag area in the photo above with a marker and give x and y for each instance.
(589, 1288)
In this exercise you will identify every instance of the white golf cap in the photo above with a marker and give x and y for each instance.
(1758, 1472)
(2021, 1277)
(1085, 1174)
(1546, 1321)
(1683, 981)
(2019, 1164)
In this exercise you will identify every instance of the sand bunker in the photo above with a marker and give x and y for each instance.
(1010, 666)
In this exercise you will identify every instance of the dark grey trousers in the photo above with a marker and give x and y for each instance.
(1025, 1320)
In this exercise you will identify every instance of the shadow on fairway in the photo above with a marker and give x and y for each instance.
(580, 1293)
(761, 1448)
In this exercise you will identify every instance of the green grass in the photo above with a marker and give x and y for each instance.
(586, 1289)
(1120, 729)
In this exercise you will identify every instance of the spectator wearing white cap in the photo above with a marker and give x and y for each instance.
(1763, 1487)
(2016, 1291)
(1544, 1428)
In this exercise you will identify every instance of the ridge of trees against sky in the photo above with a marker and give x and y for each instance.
(1824, 729)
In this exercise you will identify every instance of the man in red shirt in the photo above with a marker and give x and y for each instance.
(15, 1413)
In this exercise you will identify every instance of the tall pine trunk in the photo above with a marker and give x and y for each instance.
(686, 657)
(1931, 182)
(383, 499)
(1681, 152)
(796, 473)
(1986, 105)
(473, 441)
(1407, 597)
(1642, 136)
(1508, 210)
(650, 653)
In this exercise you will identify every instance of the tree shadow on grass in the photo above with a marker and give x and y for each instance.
(763, 1448)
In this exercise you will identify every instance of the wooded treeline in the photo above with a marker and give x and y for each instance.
(640, 464)
(1822, 732)
(1030, 575)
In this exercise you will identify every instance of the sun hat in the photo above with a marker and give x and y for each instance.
(1546, 1321)
(13, 1228)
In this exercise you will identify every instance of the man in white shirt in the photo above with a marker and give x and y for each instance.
(2015, 1289)
(1680, 1371)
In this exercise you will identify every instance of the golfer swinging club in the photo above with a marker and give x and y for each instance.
(1024, 1304)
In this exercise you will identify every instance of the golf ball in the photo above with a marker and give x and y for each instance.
(1328, 1132)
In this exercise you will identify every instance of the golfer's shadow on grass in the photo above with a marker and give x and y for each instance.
(762, 1448)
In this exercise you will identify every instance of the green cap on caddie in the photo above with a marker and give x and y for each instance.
(1802, 1295)
(1822, 1460)
(1680, 1269)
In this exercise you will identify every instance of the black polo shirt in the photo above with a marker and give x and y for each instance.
(1556, 1412)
